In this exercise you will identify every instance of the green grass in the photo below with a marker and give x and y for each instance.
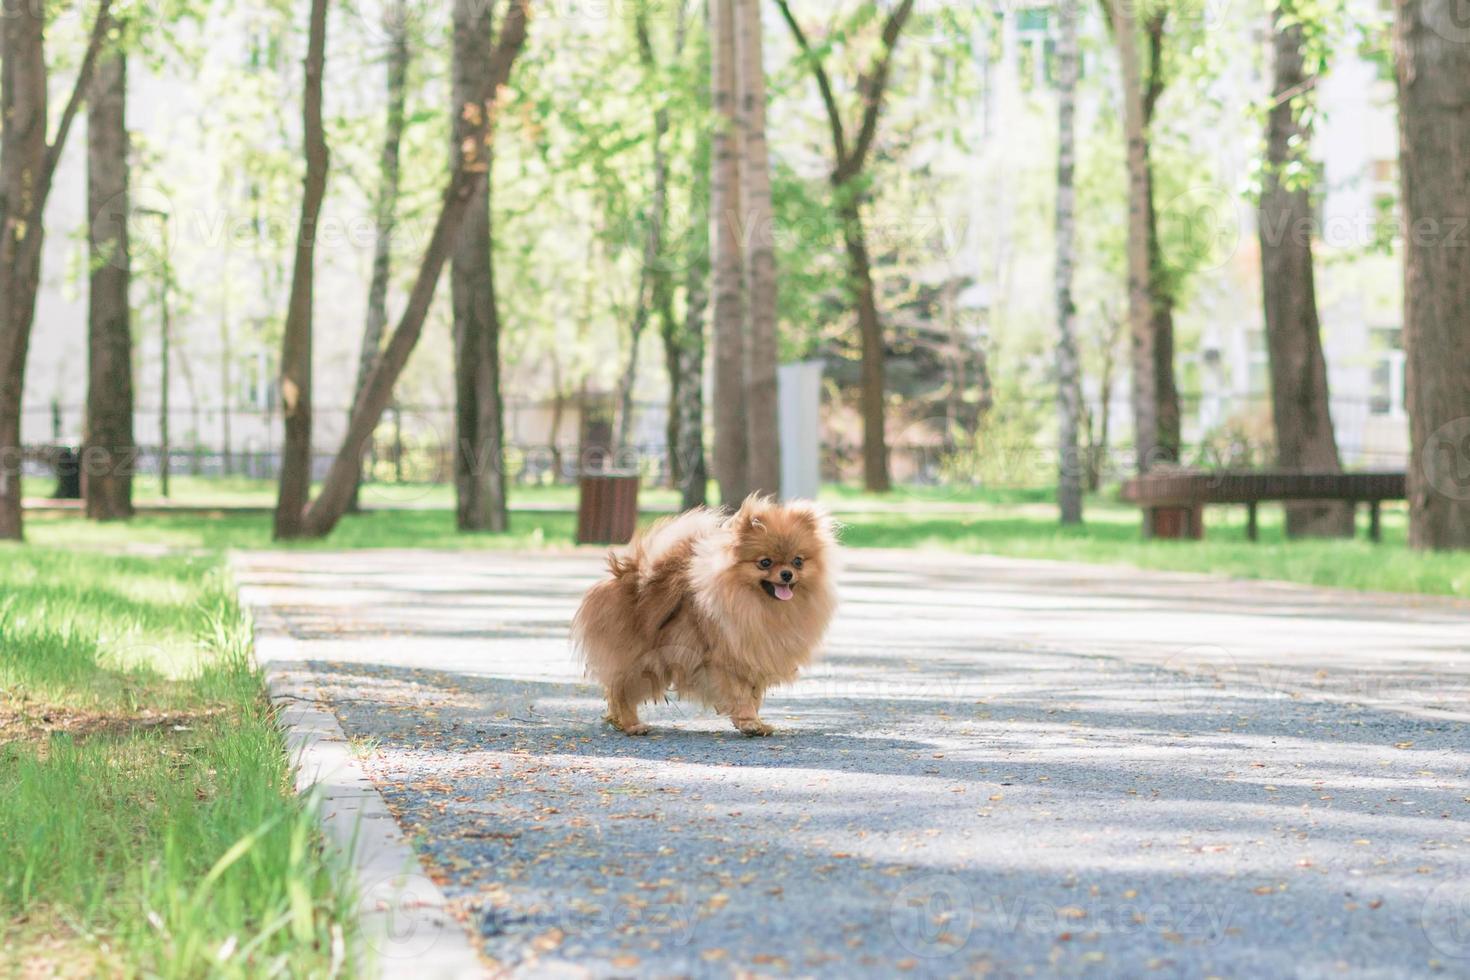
(1111, 535)
(147, 823)
(1015, 522)
(240, 491)
(374, 529)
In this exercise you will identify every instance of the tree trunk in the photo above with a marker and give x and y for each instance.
(558, 412)
(763, 438)
(655, 294)
(1161, 304)
(108, 451)
(396, 23)
(688, 408)
(479, 467)
(689, 366)
(628, 381)
(669, 332)
(1140, 302)
(684, 344)
(1160, 284)
(850, 160)
(1069, 468)
(27, 166)
(693, 470)
(1099, 449)
(1433, 63)
(1299, 404)
(463, 187)
(731, 462)
(870, 330)
(296, 345)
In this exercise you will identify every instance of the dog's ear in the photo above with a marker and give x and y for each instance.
(814, 517)
(748, 516)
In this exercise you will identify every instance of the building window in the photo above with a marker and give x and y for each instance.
(1386, 391)
(1258, 364)
(1037, 54)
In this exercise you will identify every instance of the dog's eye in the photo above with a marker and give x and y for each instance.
(764, 563)
(796, 562)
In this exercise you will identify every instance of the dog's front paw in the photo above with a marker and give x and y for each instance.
(753, 727)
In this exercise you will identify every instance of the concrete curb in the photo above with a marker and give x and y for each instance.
(404, 927)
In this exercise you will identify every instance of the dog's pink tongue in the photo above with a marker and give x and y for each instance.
(783, 592)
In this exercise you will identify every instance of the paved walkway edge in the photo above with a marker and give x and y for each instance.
(404, 927)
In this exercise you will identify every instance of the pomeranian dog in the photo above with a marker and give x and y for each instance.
(715, 608)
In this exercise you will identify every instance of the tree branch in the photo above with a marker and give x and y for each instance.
(377, 390)
(871, 84)
(824, 83)
(1154, 74)
(512, 39)
(78, 91)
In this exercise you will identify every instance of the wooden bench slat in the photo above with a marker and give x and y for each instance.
(1225, 487)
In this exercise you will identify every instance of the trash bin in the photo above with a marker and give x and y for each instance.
(607, 508)
(68, 474)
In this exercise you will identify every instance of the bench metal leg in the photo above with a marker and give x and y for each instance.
(1250, 521)
(1375, 529)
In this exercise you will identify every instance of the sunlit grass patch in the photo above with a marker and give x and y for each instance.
(1005, 521)
(147, 823)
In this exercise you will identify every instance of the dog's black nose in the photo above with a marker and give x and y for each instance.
(786, 576)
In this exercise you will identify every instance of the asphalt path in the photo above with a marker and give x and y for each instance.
(999, 766)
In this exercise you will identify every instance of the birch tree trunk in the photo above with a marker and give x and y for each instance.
(27, 166)
(296, 345)
(108, 448)
(1300, 407)
(763, 438)
(1069, 465)
(1433, 64)
(479, 458)
(396, 24)
(464, 183)
(731, 461)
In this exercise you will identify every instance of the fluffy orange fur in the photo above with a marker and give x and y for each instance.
(716, 608)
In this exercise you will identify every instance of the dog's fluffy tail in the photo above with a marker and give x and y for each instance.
(601, 621)
(620, 565)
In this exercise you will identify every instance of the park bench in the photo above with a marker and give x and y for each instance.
(1173, 502)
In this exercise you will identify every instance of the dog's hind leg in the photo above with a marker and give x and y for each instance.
(623, 698)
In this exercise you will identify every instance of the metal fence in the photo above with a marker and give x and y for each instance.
(550, 443)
